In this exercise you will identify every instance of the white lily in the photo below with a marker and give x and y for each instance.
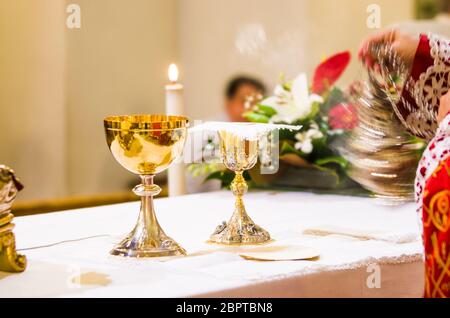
(293, 105)
(304, 143)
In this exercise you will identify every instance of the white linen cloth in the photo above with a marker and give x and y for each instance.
(245, 130)
(382, 234)
(211, 270)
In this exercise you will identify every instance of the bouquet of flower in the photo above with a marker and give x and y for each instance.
(322, 109)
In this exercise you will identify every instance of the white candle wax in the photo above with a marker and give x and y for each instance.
(174, 99)
(175, 106)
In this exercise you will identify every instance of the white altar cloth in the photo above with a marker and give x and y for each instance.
(83, 268)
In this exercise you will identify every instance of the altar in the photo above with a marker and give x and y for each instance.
(68, 251)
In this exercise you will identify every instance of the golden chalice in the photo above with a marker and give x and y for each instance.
(146, 145)
(239, 154)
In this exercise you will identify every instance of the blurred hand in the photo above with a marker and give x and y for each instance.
(404, 44)
(444, 106)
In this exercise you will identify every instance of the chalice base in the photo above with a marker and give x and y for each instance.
(156, 247)
(240, 231)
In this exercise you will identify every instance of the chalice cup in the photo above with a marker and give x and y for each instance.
(239, 154)
(146, 145)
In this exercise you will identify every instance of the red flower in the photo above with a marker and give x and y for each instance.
(342, 116)
(329, 71)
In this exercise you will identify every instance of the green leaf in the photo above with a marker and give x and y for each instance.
(335, 97)
(331, 171)
(315, 108)
(215, 175)
(321, 149)
(286, 134)
(266, 110)
(255, 117)
(332, 159)
(286, 148)
(204, 168)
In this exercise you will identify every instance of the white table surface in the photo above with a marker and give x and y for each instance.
(209, 270)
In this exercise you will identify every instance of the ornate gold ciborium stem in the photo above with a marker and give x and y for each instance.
(239, 155)
(146, 145)
(239, 188)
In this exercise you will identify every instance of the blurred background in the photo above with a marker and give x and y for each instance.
(57, 83)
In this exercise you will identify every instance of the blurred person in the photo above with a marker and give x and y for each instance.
(428, 58)
(237, 91)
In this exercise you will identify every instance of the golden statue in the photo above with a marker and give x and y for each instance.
(10, 261)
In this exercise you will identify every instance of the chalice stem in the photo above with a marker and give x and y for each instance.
(147, 217)
(147, 238)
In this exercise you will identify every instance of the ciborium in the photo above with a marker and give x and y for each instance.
(239, 154)
(146, 145)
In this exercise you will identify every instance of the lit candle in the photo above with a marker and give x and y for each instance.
(174, 93)
(175, 106)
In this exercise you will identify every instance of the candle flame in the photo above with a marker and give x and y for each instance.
(173, 73)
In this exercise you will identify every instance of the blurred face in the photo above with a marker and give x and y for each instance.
(235, 106)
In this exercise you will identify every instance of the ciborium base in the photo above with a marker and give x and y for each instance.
(232, 233)
(164, 246)
(240, 229)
